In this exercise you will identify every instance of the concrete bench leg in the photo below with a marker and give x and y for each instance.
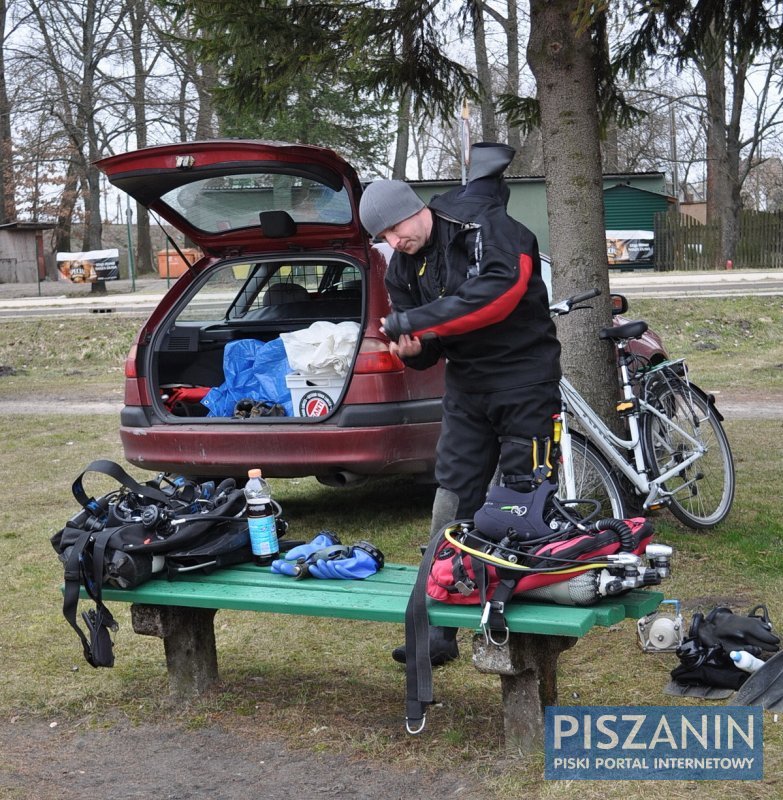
(527, 665)
(189, 642)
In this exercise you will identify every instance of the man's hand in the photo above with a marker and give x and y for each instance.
(405, 346)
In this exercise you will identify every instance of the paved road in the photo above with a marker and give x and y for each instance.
(24, 300)
(729, 283)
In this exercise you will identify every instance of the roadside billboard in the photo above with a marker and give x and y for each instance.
(626, 247)
(89, 266)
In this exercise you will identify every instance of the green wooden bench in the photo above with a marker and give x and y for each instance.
(182, 611)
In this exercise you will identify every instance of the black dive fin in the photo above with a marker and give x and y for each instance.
(677, 689)
(764, 687)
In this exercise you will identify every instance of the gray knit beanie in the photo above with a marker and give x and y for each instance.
(385, 203)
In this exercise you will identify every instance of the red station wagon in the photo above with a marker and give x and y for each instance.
(287, 273)
(283, 249)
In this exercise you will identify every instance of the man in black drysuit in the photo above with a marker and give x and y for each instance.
(465, 284)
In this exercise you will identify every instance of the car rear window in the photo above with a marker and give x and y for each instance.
(239, 290)
(230, 202)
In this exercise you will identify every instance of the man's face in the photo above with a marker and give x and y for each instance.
(410, 235)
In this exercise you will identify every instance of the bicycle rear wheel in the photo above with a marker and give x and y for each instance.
(702, 493)
(593, 480)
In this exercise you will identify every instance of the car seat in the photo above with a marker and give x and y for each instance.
(279, 293)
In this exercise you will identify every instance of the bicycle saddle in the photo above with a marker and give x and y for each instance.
(631, 330)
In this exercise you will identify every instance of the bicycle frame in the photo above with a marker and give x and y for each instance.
(615, 448)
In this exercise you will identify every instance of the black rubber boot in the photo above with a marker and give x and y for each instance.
(443, 647)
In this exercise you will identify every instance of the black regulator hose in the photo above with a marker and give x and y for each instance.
(621, 528)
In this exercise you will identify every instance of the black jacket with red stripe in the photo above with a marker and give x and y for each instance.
(484, 305)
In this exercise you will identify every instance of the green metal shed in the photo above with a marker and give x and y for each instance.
(631, 207)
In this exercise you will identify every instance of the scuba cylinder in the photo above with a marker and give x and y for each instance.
(581, 590)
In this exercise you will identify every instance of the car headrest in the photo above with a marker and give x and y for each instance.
(279, 293)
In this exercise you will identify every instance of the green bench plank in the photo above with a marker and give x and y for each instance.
(380, 598)
(541, 618)
(393, 580)
(637, 605)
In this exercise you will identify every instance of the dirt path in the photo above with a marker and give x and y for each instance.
(750, 405)
(732, 404)
(159, 762)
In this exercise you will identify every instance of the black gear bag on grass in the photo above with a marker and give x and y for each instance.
(705, 654)
(124, 537)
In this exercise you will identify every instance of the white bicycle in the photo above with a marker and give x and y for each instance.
(676, 453)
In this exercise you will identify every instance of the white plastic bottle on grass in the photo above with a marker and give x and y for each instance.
(261, 519)
(746, 661)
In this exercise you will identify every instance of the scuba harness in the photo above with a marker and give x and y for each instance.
(518, 542)
(470, 567)
(122, 538)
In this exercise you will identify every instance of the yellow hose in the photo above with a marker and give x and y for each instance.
(510, 565)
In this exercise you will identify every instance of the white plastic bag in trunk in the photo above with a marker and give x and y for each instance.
(325, 348)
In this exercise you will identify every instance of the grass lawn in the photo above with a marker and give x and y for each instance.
(327, 685)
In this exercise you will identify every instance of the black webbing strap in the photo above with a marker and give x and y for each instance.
(493, 618)
(121, 476)
(71, 590)
(496, 620)
(418, 667)
(98, 648)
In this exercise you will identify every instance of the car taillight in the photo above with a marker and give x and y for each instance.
(374, 356)
(136, 387)
(130, 363)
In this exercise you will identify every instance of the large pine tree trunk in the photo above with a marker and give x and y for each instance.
(205, 83)
(400, 166)
(561, 58)
(718, 182)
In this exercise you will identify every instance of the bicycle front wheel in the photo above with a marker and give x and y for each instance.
(593, 479)
(700, 495)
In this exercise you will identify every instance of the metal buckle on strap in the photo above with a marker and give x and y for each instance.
(419, 729)
(498, 607)
(465, 587)
(490, 640)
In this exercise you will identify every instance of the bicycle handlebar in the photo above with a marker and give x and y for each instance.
(564, 306)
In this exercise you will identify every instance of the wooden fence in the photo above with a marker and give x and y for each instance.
(683, 243)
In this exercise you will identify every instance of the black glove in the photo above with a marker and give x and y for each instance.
(395, 324)
(736, 632)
